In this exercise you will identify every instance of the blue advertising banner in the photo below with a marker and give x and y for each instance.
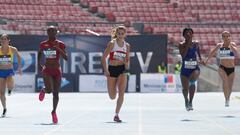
(68, 84)
(29, 61)
(85, 52)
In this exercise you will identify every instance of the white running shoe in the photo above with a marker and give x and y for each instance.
(227, 103)
(190, 106)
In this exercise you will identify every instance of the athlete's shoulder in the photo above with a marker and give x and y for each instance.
(234, 44)
(219, 45)
(127, 44)
(195, 41)
(181, 44)
(61, 44)
(43, 42)
(13, 48)
(112, 42)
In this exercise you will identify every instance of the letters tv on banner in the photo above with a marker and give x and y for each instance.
(147, 52)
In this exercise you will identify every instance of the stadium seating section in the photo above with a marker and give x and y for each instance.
(208, 18)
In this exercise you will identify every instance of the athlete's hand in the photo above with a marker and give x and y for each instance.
(202, 62)
(205, 62)
(106, 73)
(40, 67)
(20, 71)
(234, 48)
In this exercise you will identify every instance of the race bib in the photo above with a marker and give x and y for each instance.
(5, 59)
(49, 53)
(190, 64)
(224, 53)
(119, 56)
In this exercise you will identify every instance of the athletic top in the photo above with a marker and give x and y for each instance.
(119, 53)
(225, 53)
(49, 51)
(190, 60)
(6, 59)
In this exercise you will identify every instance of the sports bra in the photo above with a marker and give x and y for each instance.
(118, 53)
(225, 53)
(6, 59)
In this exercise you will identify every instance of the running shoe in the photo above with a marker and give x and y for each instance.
(4, 113)
(117, 119)
(187, 106)
(227, 103)
(190, 106)
(54, 117)
(41, 95)
(9, 92)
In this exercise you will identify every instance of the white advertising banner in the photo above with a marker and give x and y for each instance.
(132, 83)
(160, 83)
(24, 83)
(98, 83)
(92, 83)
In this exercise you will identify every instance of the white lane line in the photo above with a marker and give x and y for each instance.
(139, 115)
(209, 120)
(60, 126)
(216, 123)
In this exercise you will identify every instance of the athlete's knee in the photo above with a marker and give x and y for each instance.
(184, 89)
(56, 96)
(48, 91)
(2, 94)
(192, 82)
(112, 96)
(112, 93)
(120, 96)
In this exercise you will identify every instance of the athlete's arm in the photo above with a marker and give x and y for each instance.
(39, 57)
(127, 62)
(19, 60)
(199, 54)
(183, 48)
(105, 54)
(233, 46)
(212, 53)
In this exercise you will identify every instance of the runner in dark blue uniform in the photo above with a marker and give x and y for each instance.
(190, 70)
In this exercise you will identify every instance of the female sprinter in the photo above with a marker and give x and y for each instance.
(51, 70)
(190, 70)
(6, 67)
(119, 50)
(227, 51)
